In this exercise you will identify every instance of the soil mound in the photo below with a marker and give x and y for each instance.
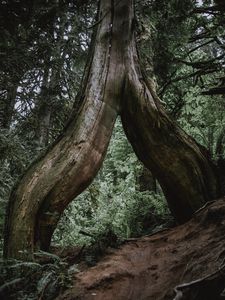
(185, 262)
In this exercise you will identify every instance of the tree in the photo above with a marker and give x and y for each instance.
(41, 64)
(114, 84)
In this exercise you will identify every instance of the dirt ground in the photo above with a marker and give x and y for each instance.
(152, 266)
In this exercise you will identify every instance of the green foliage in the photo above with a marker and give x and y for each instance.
(31, 280)
(113, 205)
(164, 29)
(203, 118)
(16, 155)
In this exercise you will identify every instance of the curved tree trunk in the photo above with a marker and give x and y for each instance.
(184, 172)
(68, 168)
(114, 84)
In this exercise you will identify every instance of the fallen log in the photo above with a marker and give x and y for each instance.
(185, 262)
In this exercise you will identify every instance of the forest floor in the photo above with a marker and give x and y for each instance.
(185, 262)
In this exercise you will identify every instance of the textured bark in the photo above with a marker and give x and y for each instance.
(67, 169)
(114, 84)
(186, 262)
(184, 172)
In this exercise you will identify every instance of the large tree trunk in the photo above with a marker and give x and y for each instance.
(179, 164)
(68, 168)
(47, 101)
(184, 172)
(114, 84)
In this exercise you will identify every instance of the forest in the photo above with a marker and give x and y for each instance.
(112, 149)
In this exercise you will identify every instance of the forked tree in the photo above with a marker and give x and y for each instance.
(114, 84)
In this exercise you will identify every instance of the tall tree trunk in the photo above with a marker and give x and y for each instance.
(184, 172)
(51, 80)
(114, 84)
(68, 168)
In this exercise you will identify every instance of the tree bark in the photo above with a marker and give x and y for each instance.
(185, 174)
(68, 168)
(114, 85)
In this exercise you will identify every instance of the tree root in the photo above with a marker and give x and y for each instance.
(207, 288)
